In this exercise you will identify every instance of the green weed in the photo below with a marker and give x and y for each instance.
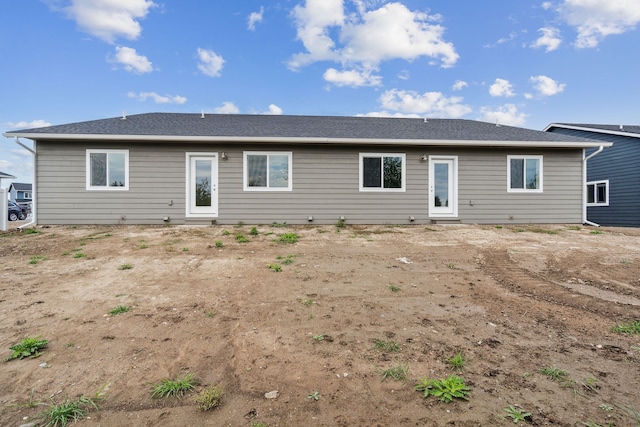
(241, 239)
(318, 337)
(174, 388)
(275, 267)
(516, 414)
(125, 266)
(286, 260)
(79, 255)
(226, 233)
(388, 346)
(279, 224)
(211, 314)
(458, 361)
(30, 231)
(254, 231)
(597, 232)
(37, 258)
(28, 347)
(314, 395)
(393, 288)
(288, 238)
(555, 374)
(307, 302)
(219, 244)
(119, 310)
(209, 398)
(398, 373)
(446, 389)
(69, 411)
(630, 328)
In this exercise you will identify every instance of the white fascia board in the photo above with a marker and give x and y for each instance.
(292, 140)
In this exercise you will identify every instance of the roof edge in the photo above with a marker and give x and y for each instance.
(273, 140)
(590, 129)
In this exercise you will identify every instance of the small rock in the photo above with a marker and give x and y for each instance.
(598, 345)
(272, 394)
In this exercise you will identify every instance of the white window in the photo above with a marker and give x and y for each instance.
(267, 171)
(524, 174)
(107, 169)
(382, 172)
(598, 193)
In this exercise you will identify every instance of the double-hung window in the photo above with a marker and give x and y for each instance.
(382, 172)
(598, 193)
(107, 169)
(267, 171)
(524, 174)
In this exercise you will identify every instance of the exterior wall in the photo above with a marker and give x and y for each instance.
(325, 186)
(620, 164)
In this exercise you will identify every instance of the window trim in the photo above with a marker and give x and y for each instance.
(245, 171)
(595, 192)
(525, 158)
(90, 187)
(403, 172)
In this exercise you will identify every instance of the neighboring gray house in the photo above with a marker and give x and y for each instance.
(20, 193)
(202, 169)
(613, 176)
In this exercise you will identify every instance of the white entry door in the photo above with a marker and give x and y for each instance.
(202, 185)
(443, 186)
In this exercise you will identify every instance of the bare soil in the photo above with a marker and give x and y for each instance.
(513, 300)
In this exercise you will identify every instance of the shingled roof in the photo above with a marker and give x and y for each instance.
(289, 128)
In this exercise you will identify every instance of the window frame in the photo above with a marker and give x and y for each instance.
(268, 188)
(107, 187)
(539, 158)
(403, 172)
(595, 192)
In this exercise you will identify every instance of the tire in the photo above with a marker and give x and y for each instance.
(23, 217)
(13, 216)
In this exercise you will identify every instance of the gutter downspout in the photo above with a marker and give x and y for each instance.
(584, 183)
(33, 189)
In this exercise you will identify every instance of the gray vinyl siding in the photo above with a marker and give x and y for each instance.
(325, 186)
(620, 164)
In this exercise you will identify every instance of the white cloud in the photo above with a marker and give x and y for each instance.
(227, 108)
(352, 78)
(596, 19)
(210, 63)
(501, 87)
(506, 115)
(5, 164)
(109, 19)
(27, 125)
(365, 38)
(459, 85)
(550, 39)
(254, 18)
(546, 86)
(404, 75)
(547, 5)
(131, 61)
(274, 110)
(158, 99)
(428, 103)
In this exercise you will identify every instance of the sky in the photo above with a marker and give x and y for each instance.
(515, 62)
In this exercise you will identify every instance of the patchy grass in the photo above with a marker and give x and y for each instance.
(398, 373)
(173, 388)
(275, 267)
(37, 258)
(209, 398)
(629, 328)
(68, 411)
(388, 346)
(288, 238)
(125, 266)
(458, 361)
(119, 310)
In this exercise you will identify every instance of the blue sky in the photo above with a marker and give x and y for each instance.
(522, 63)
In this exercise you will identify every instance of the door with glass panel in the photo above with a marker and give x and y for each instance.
(443, 186)
(202, 185)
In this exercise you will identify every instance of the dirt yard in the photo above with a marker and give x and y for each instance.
(512, 300)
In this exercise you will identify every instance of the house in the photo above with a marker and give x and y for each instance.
(4, 175)
(613, 176)
(175, 168)
(20, 192)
